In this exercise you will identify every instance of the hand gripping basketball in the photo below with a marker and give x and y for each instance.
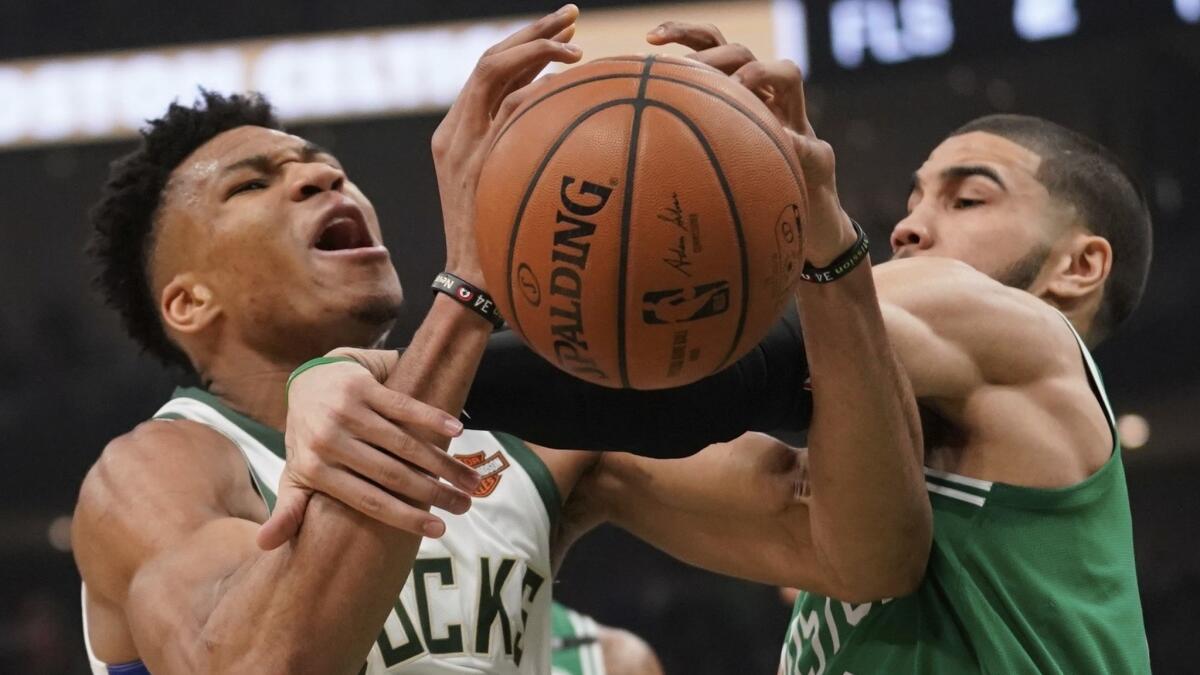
(462, 140)
(780, 84)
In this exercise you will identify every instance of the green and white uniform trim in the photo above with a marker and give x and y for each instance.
(575, 643)
(478, 599)
(1019, 580)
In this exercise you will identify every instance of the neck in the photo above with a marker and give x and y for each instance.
(251, 383)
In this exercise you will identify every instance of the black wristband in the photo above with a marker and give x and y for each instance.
(468, 296)
(841, 265)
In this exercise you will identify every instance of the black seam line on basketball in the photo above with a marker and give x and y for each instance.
(533, 181)
(733, 103)
(626, 208)
(733, 211)
(560, 90)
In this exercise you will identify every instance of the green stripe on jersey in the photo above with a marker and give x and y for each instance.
(538, 473)
(271, 438)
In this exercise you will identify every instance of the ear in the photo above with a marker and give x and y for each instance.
(188, 305)
(1087, 261)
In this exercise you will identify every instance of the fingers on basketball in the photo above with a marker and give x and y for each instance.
(696, 36)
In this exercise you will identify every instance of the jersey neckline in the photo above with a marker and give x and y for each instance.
(272, 439)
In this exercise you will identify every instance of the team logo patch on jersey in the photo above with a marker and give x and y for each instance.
(489, 468)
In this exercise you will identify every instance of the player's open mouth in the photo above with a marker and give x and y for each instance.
(343, 233)
(342, 229)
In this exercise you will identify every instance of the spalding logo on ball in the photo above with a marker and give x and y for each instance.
(641, 221)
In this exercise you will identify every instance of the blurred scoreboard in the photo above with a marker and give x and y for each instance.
(413, 69)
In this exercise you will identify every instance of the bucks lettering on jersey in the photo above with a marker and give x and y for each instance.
(1020, 580)
(478, 598)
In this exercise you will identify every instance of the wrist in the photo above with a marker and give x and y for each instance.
(378, 362)
(472, 274)
(472, 298)
(823, 252)
(459, 316)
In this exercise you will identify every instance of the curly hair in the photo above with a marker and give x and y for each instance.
(123, 220)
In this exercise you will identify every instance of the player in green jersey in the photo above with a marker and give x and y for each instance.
(580, 646)
(1030, 567)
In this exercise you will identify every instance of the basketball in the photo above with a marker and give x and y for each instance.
(640, 221)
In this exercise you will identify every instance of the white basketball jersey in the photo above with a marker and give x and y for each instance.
(478, 598)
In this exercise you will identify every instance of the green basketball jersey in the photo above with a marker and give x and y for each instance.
(574, 643)
(1019, 580)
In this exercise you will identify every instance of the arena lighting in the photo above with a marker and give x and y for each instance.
(1134, 431)
(1188, 10)
(1045, 19)
(59, 533)
(334, 76)
(890, 31)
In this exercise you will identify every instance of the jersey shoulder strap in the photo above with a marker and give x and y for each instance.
(261, 446)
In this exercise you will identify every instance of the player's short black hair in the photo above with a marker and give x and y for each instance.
(123, 219)
(1081, 172)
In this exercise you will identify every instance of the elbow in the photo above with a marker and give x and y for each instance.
(893, 571)
(880, 584)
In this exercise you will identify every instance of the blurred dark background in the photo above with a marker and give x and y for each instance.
(1127, 74)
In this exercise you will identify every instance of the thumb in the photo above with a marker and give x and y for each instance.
(286, 517)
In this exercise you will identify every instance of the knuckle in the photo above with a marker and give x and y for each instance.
(402, 404)
(325, 435)
(390, 475)
(308, 467)
(404, 445)
(485, 66)
(369, 503)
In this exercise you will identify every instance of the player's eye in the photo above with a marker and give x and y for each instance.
(964, 203)
(256, 184)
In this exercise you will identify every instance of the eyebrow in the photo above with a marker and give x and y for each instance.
(265, 163)
(961, 173)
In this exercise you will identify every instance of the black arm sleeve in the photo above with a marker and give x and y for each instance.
(518, 392)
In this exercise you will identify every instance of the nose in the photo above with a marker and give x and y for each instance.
(911, 231)
(312, 178)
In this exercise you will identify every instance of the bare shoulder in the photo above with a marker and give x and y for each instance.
(993, 333)
(149, 488)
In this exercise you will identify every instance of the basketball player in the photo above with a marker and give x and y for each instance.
(1031, 568)
(1025, 242)
(239, 252)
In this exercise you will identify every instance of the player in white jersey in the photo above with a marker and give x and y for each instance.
(238, 251)
(479, 596)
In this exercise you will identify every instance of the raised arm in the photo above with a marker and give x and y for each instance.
(167, 543)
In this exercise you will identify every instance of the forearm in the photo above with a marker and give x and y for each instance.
(518, 392)
(697, 510)
(869, 511)
(341, 575)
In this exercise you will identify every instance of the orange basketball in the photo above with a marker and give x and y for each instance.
(639, 220)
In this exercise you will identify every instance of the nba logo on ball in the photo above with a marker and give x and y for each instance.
(661, 205)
